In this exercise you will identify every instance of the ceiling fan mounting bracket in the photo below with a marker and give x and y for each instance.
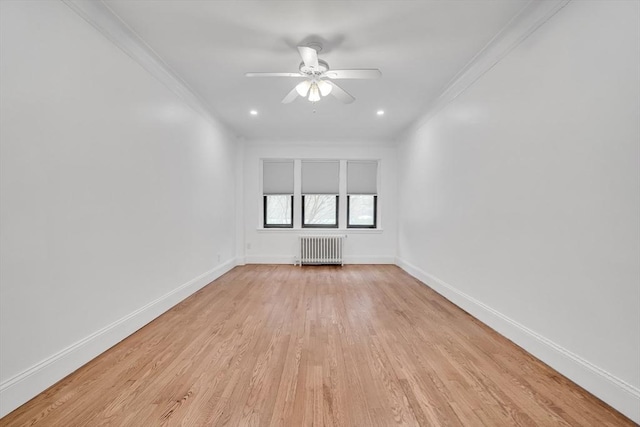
(315, 46)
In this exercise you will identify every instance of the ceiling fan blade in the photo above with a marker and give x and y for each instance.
(309, 56)
(274, 75)
(342, 95)
(372, 73)
(291, 96)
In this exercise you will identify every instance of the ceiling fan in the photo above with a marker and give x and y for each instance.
(318, 77)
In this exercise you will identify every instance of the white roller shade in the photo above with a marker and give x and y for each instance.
(320, 177)
(362, 177)
(277, 176)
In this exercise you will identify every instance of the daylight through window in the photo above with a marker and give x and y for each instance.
(362, 190)
(277, 189)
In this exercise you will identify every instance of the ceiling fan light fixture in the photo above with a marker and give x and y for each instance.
(325, 88)
(314, 93)
(314, 72)
(303, 88)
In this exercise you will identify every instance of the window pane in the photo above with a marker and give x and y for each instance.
(361, 210)
(320, 209)
(278, 210)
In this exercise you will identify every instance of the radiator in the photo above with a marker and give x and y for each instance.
(321, 250)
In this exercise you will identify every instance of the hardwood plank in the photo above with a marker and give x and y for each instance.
(324, 346)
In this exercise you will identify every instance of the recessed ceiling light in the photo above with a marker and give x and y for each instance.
(253, 112)
(380, 112)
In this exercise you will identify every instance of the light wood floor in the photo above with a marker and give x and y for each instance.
(322, 346)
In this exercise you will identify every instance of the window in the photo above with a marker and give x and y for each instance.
(277, 189)
(362, 198)
(361, 211)
(319, 193)
(320, 210)
(278, 210)
(320, 187)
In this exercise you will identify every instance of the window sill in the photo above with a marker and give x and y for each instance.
(307, 230)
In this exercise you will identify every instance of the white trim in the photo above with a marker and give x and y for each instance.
(20, 388)
(619, 394)
(342, 191)
(283, 259)
(518, 29)
(326, 143)
(380, 195)
(321, 230)
(297, 195)
(109, 24)
(270, 259)
(369, 260)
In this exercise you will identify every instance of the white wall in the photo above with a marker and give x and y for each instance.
(114, 194)
(520, 199)
(280, 245)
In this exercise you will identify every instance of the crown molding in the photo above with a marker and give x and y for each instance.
(326, 143)
(518, 29)
(107, 22)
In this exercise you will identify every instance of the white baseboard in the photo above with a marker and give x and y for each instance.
(19, 389)
(280, 259)
(369, 260)
(619, 394)
(269, 259)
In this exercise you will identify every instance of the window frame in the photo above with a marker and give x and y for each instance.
(375, 212)
(337, 224)
(264, 212)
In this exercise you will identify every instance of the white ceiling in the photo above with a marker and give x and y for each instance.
(419, 46)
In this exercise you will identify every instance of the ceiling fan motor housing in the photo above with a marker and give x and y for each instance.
(310, 71)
